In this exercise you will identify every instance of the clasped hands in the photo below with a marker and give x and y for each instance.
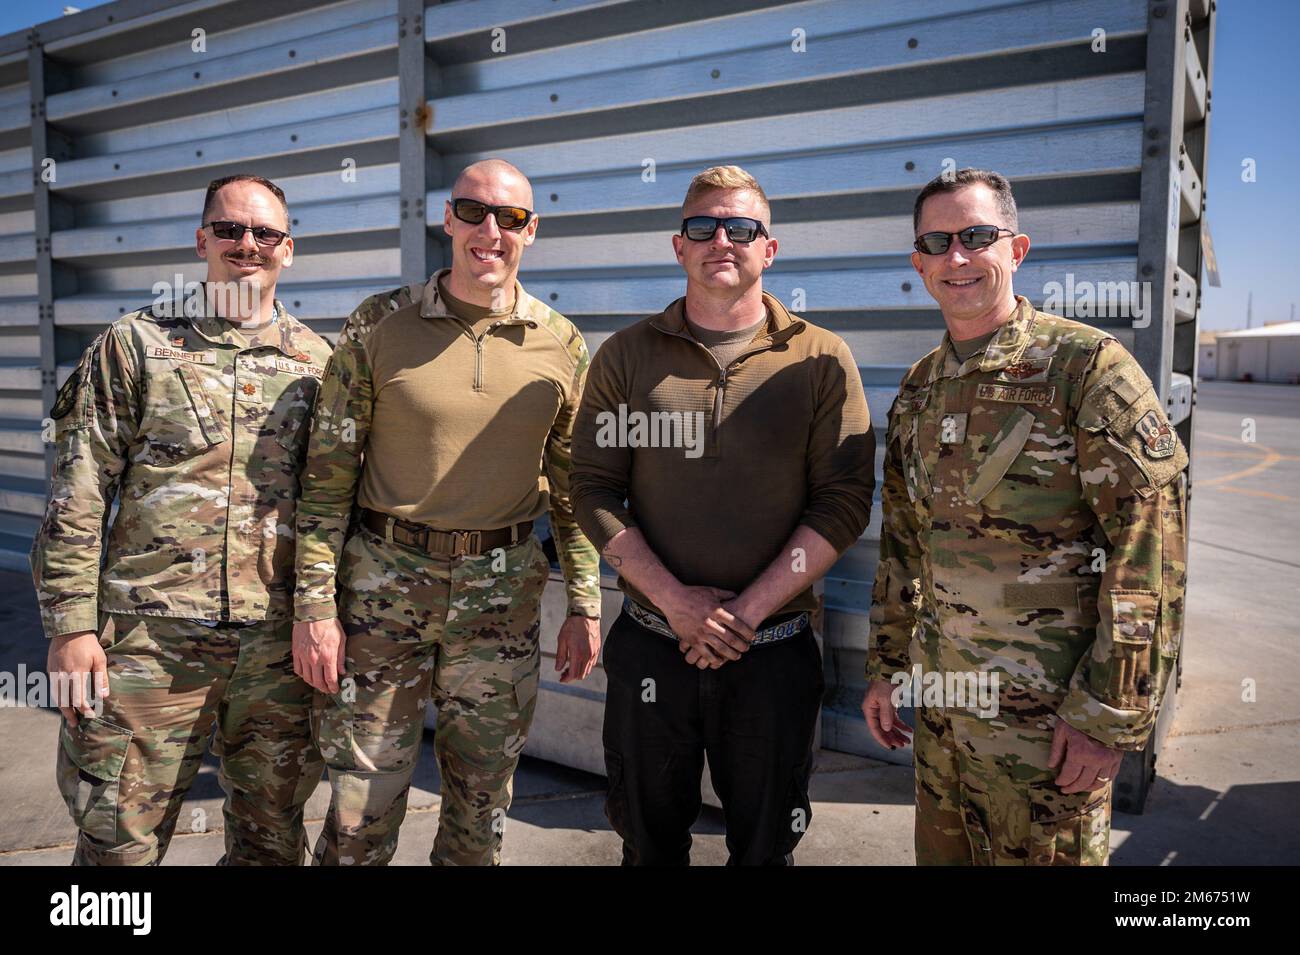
(712, 625)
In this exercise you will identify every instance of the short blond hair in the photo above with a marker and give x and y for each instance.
(717, 178)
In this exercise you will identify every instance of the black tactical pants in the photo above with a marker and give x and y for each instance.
(754, 718)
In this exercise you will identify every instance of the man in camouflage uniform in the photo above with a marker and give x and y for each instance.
(192, 415)
(444, 418)
(1033, 531)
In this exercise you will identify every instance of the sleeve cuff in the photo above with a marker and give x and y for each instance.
(314, 610)
(1116, 728)
(71, 618)
(607, 523)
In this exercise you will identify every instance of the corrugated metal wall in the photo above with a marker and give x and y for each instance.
(841, 108)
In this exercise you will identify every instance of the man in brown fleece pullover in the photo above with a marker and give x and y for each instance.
(722, 460)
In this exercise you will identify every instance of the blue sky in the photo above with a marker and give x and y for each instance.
(1256, 115)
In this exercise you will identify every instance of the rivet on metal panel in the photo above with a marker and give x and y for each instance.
(555, 296)
(907, 286)
(1153, 133)
(909, 165)
(911, 43)
(297, 304)
(114, 92)
(196, 74)
(293, 137)
(715, 73)
(416, 28)
(403, 124)
(198, 152)
(295, 221)
(119, 238)
(292, 54)
(1147, 269)
(401, 33)
(555, 197)
(1153, 150)
(405, 203)
(117, 165)
(423, 117)
(1158, 12)
(555, 98)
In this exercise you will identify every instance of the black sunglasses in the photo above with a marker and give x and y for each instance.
(511, 218)
(739, 229)
(976, 237)
(263, 235)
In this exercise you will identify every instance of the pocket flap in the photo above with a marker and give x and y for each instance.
(1109, 398)
(96, 747)
(1134, 614)
(1002, 450)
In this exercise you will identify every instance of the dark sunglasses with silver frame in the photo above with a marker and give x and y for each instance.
(739, 228)
(262, 235)
(973, 238)
(510, 218)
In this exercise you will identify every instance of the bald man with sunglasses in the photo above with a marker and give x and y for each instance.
(441, 433)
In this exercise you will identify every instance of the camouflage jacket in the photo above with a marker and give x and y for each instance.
(342, 422)
(197, 430)
(1034, 526)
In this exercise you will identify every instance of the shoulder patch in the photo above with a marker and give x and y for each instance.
(66, 397)
(1158, 439)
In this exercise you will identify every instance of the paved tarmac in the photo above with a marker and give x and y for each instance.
(1229, 780)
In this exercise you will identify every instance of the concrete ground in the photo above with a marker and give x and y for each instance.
(1228, 782)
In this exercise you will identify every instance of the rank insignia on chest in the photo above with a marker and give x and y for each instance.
(1158, 439)
(952, 428)
(178, 341)
(1026, 370)
(248, 392)
(1019, 394)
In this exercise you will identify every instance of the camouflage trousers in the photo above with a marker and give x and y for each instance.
(462, 631)
(985, 796)
(125, 774)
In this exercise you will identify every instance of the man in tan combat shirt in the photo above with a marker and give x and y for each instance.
(446, 423)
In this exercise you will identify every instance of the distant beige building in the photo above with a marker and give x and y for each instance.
(1206, 364)
(1270, 353)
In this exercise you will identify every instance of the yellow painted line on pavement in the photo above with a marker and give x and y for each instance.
(1242, 454)
(1253, 493)
(1270, 458)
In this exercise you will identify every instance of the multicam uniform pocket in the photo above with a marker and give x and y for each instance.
(908, 410)
(89, 767)
(1068, 829)
(1135, 620)
(179, 420)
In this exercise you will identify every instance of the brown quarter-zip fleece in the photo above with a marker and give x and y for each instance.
(787, 441)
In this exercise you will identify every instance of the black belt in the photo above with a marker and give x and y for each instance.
(782, 630)
(442, 543)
